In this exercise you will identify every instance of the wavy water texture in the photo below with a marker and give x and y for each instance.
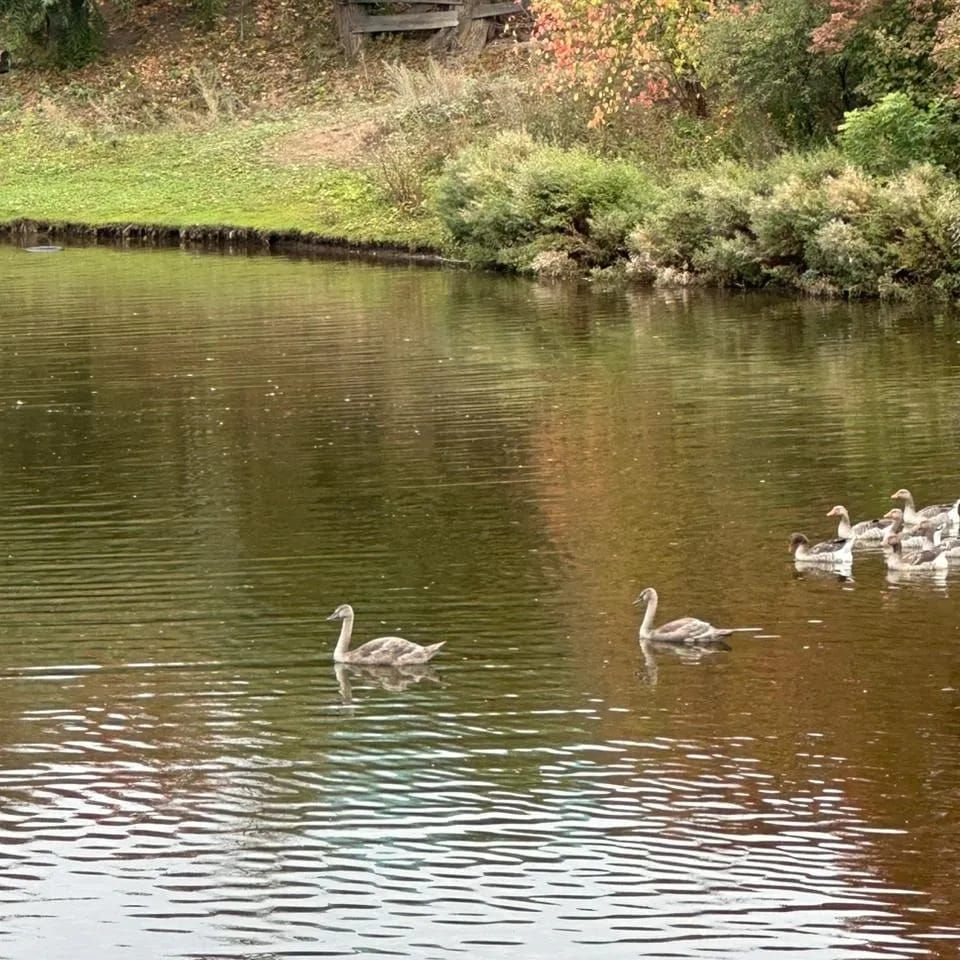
(201, 456)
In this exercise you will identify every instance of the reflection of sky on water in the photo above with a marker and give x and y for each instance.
(418, 824)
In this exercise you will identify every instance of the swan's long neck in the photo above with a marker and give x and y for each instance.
(909, 510)
(646, 624)
(343, 643)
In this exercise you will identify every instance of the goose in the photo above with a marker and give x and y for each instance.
(687, 630)
(949, 547)
(934, 540)
(864, 530)
(912, 538)
(915, 560)
(940, 514)
(394, 651)
(839, 551)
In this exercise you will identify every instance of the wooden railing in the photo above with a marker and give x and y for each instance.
(460, 22)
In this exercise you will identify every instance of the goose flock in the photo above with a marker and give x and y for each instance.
(911, 540)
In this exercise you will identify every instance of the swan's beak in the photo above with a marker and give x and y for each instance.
(333, 616)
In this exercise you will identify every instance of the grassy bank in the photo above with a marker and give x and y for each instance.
(232, 174)
(472, 167)
(194, 117)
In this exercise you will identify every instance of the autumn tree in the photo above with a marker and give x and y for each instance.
(892, 42)
(799, 66)
(619, 54)
(759, 61)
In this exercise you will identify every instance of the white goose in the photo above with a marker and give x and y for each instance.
(912, 538)
(835, 552)
(864, 530)
(394, 651)
(934, 540)
(939, 514)
(915, 560)
(687, 630)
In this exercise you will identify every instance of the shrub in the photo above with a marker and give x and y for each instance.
(920, 221)
(701, 207)
(839, 251)
(398, 168)
(64, 33)
(887, 137)
(730, 262)
(814, 222)
(784, 220)
(509, 199)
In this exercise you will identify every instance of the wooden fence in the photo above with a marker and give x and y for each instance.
(462, 23)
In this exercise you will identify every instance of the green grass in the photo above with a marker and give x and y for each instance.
(224, 176)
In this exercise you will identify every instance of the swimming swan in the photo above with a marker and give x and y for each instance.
(394, 651)
(684, 630)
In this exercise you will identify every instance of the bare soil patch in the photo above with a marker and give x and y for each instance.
(339, 142)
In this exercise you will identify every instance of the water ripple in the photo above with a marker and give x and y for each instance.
(202, 456)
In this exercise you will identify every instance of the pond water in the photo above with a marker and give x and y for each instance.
(202, 455)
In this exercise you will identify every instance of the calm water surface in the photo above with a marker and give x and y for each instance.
(201, 456)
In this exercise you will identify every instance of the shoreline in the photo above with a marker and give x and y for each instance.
(25, 231)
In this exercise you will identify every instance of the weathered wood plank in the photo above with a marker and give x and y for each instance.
(346, 15)
(496, 9)
(392, 23)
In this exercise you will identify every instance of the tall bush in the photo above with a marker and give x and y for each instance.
(510, 199)
(813, 222)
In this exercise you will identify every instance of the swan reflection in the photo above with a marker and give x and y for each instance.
(689, 653)
(392, 678)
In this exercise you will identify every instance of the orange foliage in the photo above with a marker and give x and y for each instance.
(620, 54)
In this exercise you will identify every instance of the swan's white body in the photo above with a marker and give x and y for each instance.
(391, 651)
(687, 630)
(830, 552)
